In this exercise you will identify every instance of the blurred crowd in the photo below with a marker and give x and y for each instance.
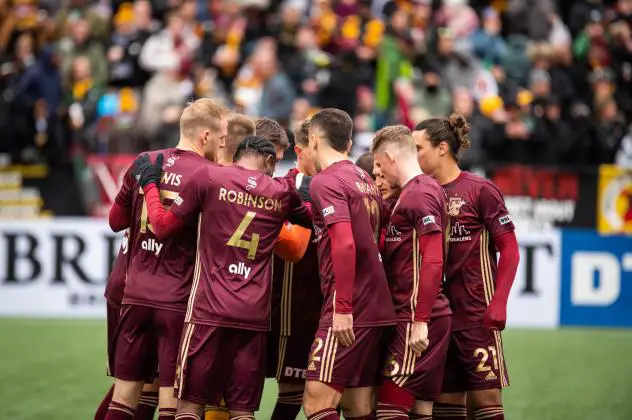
(541, 81)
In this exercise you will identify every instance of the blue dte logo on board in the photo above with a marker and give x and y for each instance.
(596, 279)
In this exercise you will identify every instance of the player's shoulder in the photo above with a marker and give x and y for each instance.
(481, 184)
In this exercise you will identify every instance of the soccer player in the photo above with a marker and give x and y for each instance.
(296, 302)
(274, 133)
(239, 127)
(477, 286)
(347, 216)
(160, 273)
(241, 210)
(114, 296)
(413, 258)
(365, 161)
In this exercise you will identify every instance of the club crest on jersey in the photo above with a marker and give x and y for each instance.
(252, 183)
(328, 211)
(454, 206)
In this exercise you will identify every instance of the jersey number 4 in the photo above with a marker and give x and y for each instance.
(236, 238)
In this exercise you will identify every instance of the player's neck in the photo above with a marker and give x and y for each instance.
(408, 169)
(330, 156)
(250, 162)
(448, 173)
(185, 144)
(225, 159)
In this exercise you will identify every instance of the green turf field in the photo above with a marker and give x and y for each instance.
(54, 369)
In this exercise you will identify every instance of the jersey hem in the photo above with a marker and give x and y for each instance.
(229, 325)
(166, 307)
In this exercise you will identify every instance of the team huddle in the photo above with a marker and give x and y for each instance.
(368, 290)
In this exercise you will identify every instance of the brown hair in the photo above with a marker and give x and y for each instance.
(365, 161)
(301, 137)
(203, 114)
(336, 125)
(239, 127)
(452, 130)
(272, 131)
(393, 134)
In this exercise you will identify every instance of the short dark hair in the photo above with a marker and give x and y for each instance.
(365, 161)
(301, 137)
(337, 126)
(452, 130)
(255, 146)
(239, 127)
(272, 131)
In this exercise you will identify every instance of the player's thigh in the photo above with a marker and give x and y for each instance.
(357, 402)
(135, 345)
(247, 376)
(293, 354)
(204, 363)
(482, 358)
(355, 366)
(169, 326)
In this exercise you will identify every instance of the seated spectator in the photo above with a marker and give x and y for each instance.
(81, 104)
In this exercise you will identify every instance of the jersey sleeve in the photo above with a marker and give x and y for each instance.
(427, 213)
(329, 198)
(189, 202)
(493, 210)
(125, 195)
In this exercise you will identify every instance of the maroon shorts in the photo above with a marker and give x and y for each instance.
(350, 367)
(147, 338)
(421, 376)
(287, 356)
(218, 363)
(475, 361)
(113, 313)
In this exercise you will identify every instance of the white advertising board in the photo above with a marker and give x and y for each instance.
(55, 267)
(535, 296)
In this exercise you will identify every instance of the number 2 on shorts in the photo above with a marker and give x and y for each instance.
(236, 238)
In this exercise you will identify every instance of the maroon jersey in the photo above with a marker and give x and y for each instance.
(159, 274)
(297, 298)
(344, 192)
(420, 210)
(115, 287)
(477, 213)
(240, 215)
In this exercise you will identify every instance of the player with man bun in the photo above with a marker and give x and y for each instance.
(477, 284)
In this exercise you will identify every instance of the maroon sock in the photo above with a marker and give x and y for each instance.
(117, 411)
(490, 412)
(414, 416)
(449, 412)
(391, 411)
(288, 405)
(326, 414)
(146, 406)
(167, 414)
(102, 410)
